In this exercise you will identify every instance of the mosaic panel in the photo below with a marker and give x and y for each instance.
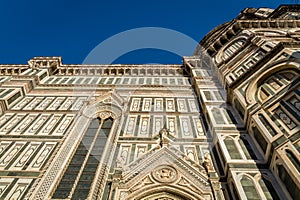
(158, 124)
(4, 184)
(26, 154)
(67, 104)
(170, 105)
(181, 105)
(186, 129)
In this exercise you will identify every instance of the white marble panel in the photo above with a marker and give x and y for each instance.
(22, 103)
(64, 124)
(130, 125)
(33, 103)
(44, 103)
(10, 154)
(39, 122)
(147, 102)
(12, 123)
(135, 104)
(41, 156)
(23, 125)
(170, 105)
(158, 104)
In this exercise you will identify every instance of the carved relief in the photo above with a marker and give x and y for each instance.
(165, 174)
(190, 151)
(140, 150)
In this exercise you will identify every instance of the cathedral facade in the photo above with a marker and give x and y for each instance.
(224, 124)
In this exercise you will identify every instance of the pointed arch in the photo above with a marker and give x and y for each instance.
(257, 92)
(180, 193)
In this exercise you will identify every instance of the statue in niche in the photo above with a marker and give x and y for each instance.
(163, 137)
(208, 162)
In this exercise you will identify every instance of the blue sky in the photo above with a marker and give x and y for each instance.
(72, 28)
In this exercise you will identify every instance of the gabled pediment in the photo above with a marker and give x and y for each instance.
(164, 169)
(107, 104)
(111, 97)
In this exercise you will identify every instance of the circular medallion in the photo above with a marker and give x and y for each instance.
(165, 174)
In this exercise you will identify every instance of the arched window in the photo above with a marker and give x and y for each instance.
(247, 149)
(80, 173)
(233, 48)
(268, 189)
(249, 188)
(293, 159)
(232, 148)
(273, 84)
(289, 183)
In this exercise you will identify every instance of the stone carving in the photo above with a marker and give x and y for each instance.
(208, 162)
(163, 137)
(165, 174)
(104, 115)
